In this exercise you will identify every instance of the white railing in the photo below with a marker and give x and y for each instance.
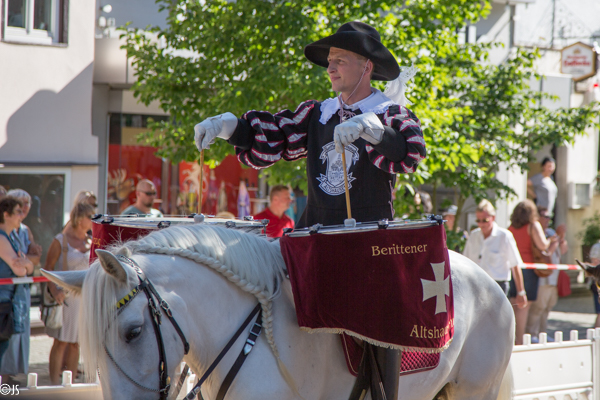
(558, 370)
(66, 391)
(76, 391)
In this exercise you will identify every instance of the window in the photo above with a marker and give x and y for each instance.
(34, 21)
(47, 190)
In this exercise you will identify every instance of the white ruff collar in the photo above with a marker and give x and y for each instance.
(377, 102)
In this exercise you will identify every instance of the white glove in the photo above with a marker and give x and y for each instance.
(221, 126)
(366, 126)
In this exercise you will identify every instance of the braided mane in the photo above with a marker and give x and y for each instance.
(249, 261)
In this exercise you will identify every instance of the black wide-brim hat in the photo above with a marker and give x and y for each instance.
(359, 38)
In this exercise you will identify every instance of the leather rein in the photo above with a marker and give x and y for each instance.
(156, 307)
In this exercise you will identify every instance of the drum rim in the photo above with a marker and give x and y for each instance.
(364, 227)
(148, 222)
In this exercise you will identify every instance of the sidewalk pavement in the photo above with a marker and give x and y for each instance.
(572, 312)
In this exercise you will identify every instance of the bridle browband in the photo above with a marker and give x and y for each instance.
(155, 312)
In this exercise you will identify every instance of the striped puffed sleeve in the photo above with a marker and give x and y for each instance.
(402, 147)
(262, 138)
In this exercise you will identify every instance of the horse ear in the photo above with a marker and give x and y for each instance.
(72, 280)
(112, 265)
(593, 270)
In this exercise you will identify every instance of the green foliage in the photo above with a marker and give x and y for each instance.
(218, 56)
(456, 241)
(590, 234)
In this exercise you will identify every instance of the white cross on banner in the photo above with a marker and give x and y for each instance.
(440, 288)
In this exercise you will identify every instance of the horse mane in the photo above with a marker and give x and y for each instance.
(249, 261)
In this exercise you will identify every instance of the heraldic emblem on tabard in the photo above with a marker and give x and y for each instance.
(333, 182)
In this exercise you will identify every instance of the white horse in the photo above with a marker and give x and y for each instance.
(212, 277)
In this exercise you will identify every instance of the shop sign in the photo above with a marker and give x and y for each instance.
(578, 60)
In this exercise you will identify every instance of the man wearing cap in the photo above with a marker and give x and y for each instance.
(379, 136)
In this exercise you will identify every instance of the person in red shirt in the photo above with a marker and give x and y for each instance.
(279, 201)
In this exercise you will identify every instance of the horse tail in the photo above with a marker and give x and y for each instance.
(507, 385)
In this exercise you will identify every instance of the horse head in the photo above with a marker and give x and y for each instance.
(123, 328)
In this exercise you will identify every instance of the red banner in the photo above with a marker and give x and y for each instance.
(390, 287)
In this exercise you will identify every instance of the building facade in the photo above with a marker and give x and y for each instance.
(550, 26)
(47, 146)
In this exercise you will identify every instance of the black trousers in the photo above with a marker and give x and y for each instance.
(505, 285)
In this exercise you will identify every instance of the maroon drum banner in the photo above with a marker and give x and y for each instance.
(390, 287)
(104, 235)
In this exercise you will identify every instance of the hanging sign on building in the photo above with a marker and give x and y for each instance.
(578, 60)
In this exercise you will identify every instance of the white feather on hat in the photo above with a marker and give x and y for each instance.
(395, 89)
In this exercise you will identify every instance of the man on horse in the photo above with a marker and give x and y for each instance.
(379, 136)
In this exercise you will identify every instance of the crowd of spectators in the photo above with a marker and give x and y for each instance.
(19, 254)
(499, 251)
(529, 239)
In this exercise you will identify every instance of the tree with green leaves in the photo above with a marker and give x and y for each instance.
(217, 56)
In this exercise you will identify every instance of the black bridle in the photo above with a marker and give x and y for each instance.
(156, 305)
(155, 312)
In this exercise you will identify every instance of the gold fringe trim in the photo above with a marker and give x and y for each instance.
(377, 342)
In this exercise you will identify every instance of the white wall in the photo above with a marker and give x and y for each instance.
(46, 94)
(496, 28)
(82, 178)
(518, 182)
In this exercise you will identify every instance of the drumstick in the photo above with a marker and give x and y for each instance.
(346, 185)
(201, 178)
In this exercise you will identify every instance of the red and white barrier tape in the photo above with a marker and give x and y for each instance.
(25, 279)
(550, 266)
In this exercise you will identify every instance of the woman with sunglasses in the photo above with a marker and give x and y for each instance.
(13, 263)
(72, 245)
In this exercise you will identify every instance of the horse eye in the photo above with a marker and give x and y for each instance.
(133, 333)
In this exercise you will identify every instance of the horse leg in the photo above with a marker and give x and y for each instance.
(449, 391)
(445, 393)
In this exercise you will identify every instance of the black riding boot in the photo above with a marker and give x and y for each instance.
(388, 362)
(379, 371)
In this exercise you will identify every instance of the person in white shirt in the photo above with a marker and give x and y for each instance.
(494, 249)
